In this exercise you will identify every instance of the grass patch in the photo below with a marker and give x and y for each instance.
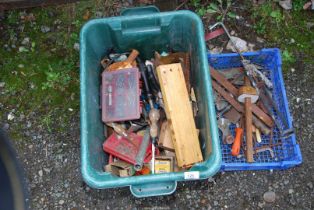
(219, 9)
(287, 30)
(41, 74)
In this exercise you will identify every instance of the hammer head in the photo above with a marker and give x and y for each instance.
(247, 92)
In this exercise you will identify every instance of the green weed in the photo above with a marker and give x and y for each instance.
(297, 5)
(276, 15)
(47, 121)
(260, 27)
(219, 8)
(12, 17)
(287, 57)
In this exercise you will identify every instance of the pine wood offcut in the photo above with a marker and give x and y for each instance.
(179, 114)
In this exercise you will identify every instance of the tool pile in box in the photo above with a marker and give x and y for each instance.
(244, 101)
(148, 109)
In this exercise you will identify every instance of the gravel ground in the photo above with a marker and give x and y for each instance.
(52, 165)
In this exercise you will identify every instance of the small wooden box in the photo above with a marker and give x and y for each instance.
(165, 139)
(163, 164)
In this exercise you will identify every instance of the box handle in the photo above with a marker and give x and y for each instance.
(138, 23)
(139, 11)
(153, 189)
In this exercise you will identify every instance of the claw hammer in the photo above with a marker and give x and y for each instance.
(248, 95)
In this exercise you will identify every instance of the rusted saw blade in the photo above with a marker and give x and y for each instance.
(223, 81)
(239, 107)
(233, 115)
(234, 91)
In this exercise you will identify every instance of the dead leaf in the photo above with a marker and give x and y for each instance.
(87, 15)
(258, 2)
(307, 5)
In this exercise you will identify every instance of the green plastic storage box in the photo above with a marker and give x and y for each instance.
(147, 30)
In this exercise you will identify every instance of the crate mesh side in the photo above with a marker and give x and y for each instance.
(282, 152)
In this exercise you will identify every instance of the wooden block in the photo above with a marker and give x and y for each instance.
(179, 114)
(165, 139)
(120, 168)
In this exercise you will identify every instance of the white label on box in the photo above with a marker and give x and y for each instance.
(192, 175)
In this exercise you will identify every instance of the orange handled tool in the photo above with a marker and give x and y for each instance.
(235, 150)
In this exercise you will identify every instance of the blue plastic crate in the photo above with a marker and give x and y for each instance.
(287, 154)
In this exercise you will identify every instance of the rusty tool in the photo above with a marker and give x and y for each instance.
(268, 103)
(264, 149)
(232, 73)
(233, 115)
(239, 107)
(248, 66)
(250, 69)
(128, 63)
(223, 111)
(271, 145)
(234, 91)
(261, 105)
(223, 125)
(248, 95)
(220, 102)
(105, 62)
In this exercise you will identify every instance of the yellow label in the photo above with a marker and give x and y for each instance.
(162, 166)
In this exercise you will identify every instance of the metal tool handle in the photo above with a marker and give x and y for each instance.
(244, 62)
(139, 160)
(235, 150)
(229, 36)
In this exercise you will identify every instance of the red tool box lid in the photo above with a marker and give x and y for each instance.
(120, 95)
(121, 148)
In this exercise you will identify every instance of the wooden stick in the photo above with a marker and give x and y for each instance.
(248, 130)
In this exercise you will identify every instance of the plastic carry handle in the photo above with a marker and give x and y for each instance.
(137, 22)
(139, 11)
(153, 189)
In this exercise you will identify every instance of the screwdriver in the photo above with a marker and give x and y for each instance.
(235, 150)
(154, 113)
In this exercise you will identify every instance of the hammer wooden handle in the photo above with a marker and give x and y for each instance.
(132, 56)
(248, 130)
(128, 63)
